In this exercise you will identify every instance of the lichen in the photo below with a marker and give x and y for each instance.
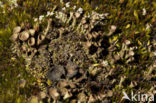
(123, 59)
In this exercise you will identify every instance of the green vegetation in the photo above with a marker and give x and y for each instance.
(127, 15)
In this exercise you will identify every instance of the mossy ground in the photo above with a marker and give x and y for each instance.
(125, 14)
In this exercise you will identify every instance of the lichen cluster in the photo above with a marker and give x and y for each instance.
(72, 46)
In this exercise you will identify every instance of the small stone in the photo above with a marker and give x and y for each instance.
(54, 93)
(72, 69)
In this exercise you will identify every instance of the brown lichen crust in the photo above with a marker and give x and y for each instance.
(76, 52)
